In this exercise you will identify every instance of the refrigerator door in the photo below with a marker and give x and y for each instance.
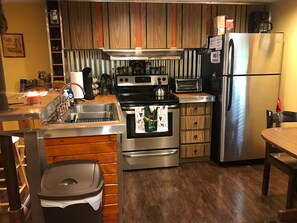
(254, 53)
(241, 126)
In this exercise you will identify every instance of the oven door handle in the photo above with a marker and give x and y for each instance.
(127, 108)
(150, 154)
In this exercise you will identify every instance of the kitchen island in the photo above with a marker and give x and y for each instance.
(46, 143)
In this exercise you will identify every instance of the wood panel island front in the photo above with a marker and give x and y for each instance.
(47, 143)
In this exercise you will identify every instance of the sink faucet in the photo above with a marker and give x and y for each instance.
(62, 106)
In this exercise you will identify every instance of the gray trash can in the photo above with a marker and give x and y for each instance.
(71, 191)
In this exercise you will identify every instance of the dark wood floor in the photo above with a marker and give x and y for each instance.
(202, 192)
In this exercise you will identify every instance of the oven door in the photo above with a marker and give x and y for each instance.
(133, 141)
(150, 149)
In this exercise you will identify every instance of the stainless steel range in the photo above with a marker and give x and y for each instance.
(143, 147)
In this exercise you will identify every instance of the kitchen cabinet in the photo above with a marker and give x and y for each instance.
(55, 41)
(101, 148)
(159, 25)
(195, 131)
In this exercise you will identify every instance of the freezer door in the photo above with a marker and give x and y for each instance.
(241, 126)
(255, 53)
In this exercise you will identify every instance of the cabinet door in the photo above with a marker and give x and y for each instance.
(119, 25)
(80, 25)
(191, 35)
(196, 109)
(195, 150)
(195, 136)
(195, 122)
(156, 26)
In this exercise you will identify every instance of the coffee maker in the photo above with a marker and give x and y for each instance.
(88, 81)
(259, 22)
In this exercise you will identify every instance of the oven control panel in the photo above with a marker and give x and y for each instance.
(141, 80)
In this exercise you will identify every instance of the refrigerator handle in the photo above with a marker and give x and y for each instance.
(230, 73)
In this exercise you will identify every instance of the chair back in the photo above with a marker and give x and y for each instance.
(279, 117)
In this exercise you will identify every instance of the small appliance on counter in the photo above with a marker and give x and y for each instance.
(105, 82)
(87, 79)
(190, 85)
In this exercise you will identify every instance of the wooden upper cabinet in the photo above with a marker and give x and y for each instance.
(191, 34)
(119, 25)
(89, 25)
(156, 31)
(80, 25)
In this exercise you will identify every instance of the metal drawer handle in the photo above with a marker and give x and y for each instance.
(195, 123)
(195, 136)
(151, 154)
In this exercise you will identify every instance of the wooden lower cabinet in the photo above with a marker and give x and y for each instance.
(195, 131)
(100, 148)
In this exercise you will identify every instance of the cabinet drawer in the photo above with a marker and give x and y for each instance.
(195, 150)
(202, 108)
(195, 136)
(195, 122)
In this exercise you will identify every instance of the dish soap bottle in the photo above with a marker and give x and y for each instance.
(71, 98)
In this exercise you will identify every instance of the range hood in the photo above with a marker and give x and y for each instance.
(142, 54)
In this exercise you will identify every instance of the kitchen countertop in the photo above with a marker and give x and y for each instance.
(87, 128)
(195, 97)
(25, 111)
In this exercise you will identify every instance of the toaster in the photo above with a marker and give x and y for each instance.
(183, 85)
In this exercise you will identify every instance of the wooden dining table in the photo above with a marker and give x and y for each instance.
(284, 138)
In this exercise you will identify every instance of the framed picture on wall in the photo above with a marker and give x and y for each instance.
(13, 45)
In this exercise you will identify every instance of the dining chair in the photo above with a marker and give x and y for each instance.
(279, 159)
(287, 215)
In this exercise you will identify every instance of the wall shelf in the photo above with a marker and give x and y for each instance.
(56, 43)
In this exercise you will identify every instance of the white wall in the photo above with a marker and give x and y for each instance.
(284, 17)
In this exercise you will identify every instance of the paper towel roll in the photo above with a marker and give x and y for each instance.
(77, 77)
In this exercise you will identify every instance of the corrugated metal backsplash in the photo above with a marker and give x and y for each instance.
(188, 67)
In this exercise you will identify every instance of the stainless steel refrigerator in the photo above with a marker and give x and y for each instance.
(243, 71)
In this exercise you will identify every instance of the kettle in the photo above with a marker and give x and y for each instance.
(159, 90)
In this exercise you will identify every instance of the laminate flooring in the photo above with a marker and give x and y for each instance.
(202, 192)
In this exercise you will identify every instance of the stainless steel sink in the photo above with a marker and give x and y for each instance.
(82, 108)
(105, 116)
(82, 113)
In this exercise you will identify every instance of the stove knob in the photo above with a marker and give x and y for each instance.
(126, 79)
(164, 79)
(121, 80)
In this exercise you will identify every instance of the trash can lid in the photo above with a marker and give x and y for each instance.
(73, 179)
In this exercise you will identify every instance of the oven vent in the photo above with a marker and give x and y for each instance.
(142, 54)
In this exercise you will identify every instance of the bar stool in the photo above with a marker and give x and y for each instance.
(19, 151)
